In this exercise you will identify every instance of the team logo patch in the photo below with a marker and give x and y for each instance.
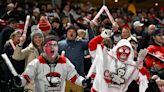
(54, 82)
(117, 78)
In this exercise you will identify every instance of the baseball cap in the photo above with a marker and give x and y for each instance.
(137, 23)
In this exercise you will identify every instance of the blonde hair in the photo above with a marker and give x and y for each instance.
(16, 32)
(80, 31)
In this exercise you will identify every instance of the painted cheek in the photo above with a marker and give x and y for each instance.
(126, 55)
(118, 56)
(48, 51)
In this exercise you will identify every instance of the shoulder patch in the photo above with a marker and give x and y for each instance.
(152, 48)
(62, 59)
(41, 60)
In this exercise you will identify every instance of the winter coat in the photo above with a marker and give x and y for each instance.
(29, 53)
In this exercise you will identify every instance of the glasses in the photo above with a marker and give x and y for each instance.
(52, 45)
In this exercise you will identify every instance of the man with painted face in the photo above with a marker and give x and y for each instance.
(115, 68)
(50, 70)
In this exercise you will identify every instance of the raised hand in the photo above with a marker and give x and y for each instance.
(142, 54)
(22, 40)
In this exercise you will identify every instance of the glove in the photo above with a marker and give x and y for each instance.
(22, 40)
(17, 81)
(87, 83)
(106, 33)
(142, 54)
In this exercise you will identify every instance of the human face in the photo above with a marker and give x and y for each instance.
(134, 45)
(38, 40)
(82, 35)
(13, 25)
(16, 38)
(49, 7)
(71, 34)
(67, 8)
(123, 53)
(55, 25)
(159, 38)
(36, 14)
(117, 37)
(125, 33)
(51, 49)
(151, 29)
(139, 28)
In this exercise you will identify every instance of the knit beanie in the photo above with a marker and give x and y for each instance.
(35, 31)
(44, 24)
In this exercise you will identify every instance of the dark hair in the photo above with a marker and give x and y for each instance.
(12, 21)
(158, 32)
(57, 20)
(50, 38)
(73, 28)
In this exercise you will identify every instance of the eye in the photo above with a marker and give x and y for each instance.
(120, 50)
(127, 51)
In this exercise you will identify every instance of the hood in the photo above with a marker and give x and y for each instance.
(123, 42)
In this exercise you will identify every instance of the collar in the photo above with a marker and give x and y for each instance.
(47, 59)
(70, 40)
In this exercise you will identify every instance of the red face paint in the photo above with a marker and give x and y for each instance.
(123, 53)
(51, 49)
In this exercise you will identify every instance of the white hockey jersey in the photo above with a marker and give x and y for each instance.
(113, 75)
(50, 77)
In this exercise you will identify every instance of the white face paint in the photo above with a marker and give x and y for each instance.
(123, 53)
(55, 52)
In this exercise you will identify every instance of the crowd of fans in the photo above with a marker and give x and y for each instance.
(72, 26)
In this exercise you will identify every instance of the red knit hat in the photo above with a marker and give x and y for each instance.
(44, 24)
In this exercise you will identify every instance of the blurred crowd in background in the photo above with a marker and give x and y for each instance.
(137, 25)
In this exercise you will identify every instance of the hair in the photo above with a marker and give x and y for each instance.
(12, 21)
(16, 32)
(50, 38)
(73, 28)
(127, 28)
(80, 31)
